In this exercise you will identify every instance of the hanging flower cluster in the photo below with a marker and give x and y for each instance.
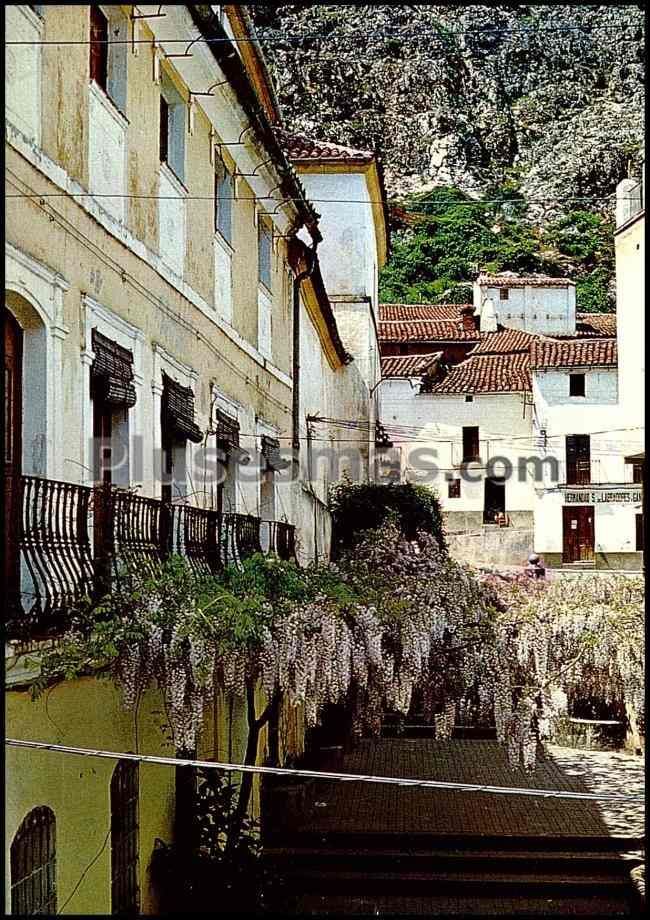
(394, 621)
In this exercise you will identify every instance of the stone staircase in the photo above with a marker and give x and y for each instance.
(384, 874)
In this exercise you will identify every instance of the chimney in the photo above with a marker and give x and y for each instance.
(488, 317)
(468, 316)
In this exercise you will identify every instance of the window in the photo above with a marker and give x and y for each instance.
(471, 449)
(125, 889)
(639, 533)
(177, 427)
(224, 193)
(172, 127)
(637, 473)
(227, 438)
(469, 399)
(453, 488)
(504, 294)
(33, 864)
(108, 53)
(112, 393)
(576, 384)
(578, 459)
(270, 462)
(264, 239)
(98, 47)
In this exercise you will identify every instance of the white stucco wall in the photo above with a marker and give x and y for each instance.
(614, 522)
(333, 450)
(549, 310)
(630, 317)
(348, 253)
(434, 436)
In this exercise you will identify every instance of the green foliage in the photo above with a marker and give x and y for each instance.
(358, 507)
(447, 236)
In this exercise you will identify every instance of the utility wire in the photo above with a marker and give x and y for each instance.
(473, 203)
(319, 774)
(262, 36)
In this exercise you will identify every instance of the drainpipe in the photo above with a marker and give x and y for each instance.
(297, 281)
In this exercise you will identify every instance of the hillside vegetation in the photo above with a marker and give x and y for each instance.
(442, 238)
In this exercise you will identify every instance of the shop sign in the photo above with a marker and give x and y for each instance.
(597, 497)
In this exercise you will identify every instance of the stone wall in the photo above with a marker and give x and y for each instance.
(503, 546)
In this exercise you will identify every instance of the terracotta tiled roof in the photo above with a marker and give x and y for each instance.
(426, 331)
(574, 353)
(601, 325)
(410, 311)
(407, 365)
(504, 341)
(488, 374)
(505, 280)
(301, 147)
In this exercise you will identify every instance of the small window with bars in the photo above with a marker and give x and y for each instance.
(504, 294)
(125, 888)
(453, 488)
(33, 864)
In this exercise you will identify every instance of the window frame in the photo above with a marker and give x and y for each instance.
(576, 453)
(574, 380)
(223, 176)
(175, 147)
(98, 47)
(453, 488)
(469, 441)
(265, 233)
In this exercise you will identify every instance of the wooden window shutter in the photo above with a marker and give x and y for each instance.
(178, 411)
(111, 374)
(98, 47)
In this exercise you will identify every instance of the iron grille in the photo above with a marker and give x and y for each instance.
(33, 864)
(125, 888)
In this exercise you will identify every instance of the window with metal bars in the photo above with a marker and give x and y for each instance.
(125, 888)
(33, 864)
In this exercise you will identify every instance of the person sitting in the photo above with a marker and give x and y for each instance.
(535, 567)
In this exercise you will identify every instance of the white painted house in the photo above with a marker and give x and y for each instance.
(515, 399)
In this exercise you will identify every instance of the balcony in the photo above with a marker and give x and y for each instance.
(64, 541)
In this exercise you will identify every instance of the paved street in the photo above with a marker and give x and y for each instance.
(360, 807)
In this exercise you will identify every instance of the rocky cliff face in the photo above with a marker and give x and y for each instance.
(550, 96)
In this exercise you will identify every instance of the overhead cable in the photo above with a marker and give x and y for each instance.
(319, 774)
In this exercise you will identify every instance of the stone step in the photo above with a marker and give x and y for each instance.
(586, 905)
(290, 859)
(392, 841)
(462, 881)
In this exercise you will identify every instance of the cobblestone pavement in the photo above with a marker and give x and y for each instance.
(359, 807)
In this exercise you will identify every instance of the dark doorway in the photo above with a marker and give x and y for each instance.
(578, 459)
(578, 533)
(495, 499)
(13, 346)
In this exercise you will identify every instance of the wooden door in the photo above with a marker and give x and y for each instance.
(13, 346)
(578, 532)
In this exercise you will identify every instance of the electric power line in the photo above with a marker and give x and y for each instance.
(319, 774)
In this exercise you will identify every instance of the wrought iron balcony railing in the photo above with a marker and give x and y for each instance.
(64, 541)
